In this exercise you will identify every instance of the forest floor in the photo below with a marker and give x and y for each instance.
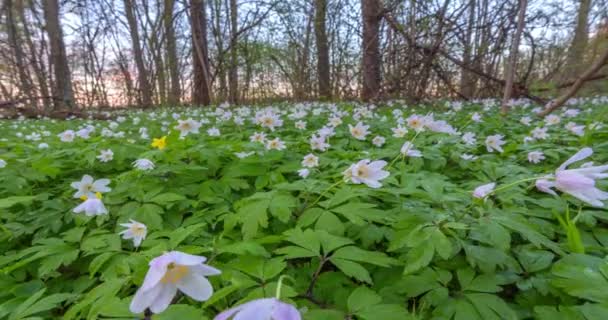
(344, 211)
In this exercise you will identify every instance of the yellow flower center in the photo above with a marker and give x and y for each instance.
(174, 273)
(138, 230)
(362, 171)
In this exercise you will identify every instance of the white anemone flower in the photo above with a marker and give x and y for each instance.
(186, 127)
(91, 206)
(171, 272)
(143, 164)
(494, 142)
(275, 144)
(135, 230)
(213, 132)
(310, 161)
(407, 149)
(261, 309)
(359, 131)
(378, 141)
(399, 132)
(536, 156)
(303, 173)
(366, 172)
(484, 190)
(106, 155)
(89, 187)
(67, 136)
(258, 137)
(579, 183)
(469, 138)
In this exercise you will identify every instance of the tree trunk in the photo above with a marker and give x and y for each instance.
(514, 51)
(172, 63)
(233, 77)
(26, 88)
(145, 90)
(371, 14)
(201, 91)
(467, 82)
(576, 53)
(62, 86)
(322, 49)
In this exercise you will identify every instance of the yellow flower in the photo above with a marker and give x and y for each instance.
(98, 195)
(83, 198)
(160, 143)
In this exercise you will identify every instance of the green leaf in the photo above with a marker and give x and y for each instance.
(167, 198)
(181, 312)
(361, 298)
(419, 257)
(11, 201)
(352, 269)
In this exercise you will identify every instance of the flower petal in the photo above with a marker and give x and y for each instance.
(144, 298)
(582, 154)
(186, 259)
(163, 300)
(285, 311)
(196, 287)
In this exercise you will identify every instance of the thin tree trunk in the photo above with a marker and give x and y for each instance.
(145, 90)
(576, 53)
(26, 88)
(371, 14)
(322, 49)
(233, 77)
(201, 91)
(512, 64)
(172, 63)
(467, 82)
(63, 93)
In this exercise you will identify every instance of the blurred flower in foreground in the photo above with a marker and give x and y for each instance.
(172, 271)
(579, 183)
(261, 309)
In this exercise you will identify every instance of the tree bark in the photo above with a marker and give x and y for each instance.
(172, 63)
(589, 73)
(467, 81)
(63, 93)
(576, 53)
(514, 52)
(233, 77)
(201, 91)
(26, 88)
(371, 14)
(145, 90)
(322, 50)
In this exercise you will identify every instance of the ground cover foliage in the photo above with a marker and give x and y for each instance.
(421, 245)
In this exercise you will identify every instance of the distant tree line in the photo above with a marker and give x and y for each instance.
(58, 56)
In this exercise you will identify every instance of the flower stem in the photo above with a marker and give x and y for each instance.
(325, 191)
(508, 185)
(279, 286)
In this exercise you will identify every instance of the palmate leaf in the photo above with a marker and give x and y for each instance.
(37, 303)
(253, 211)
(366, 304)
(582, 276)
